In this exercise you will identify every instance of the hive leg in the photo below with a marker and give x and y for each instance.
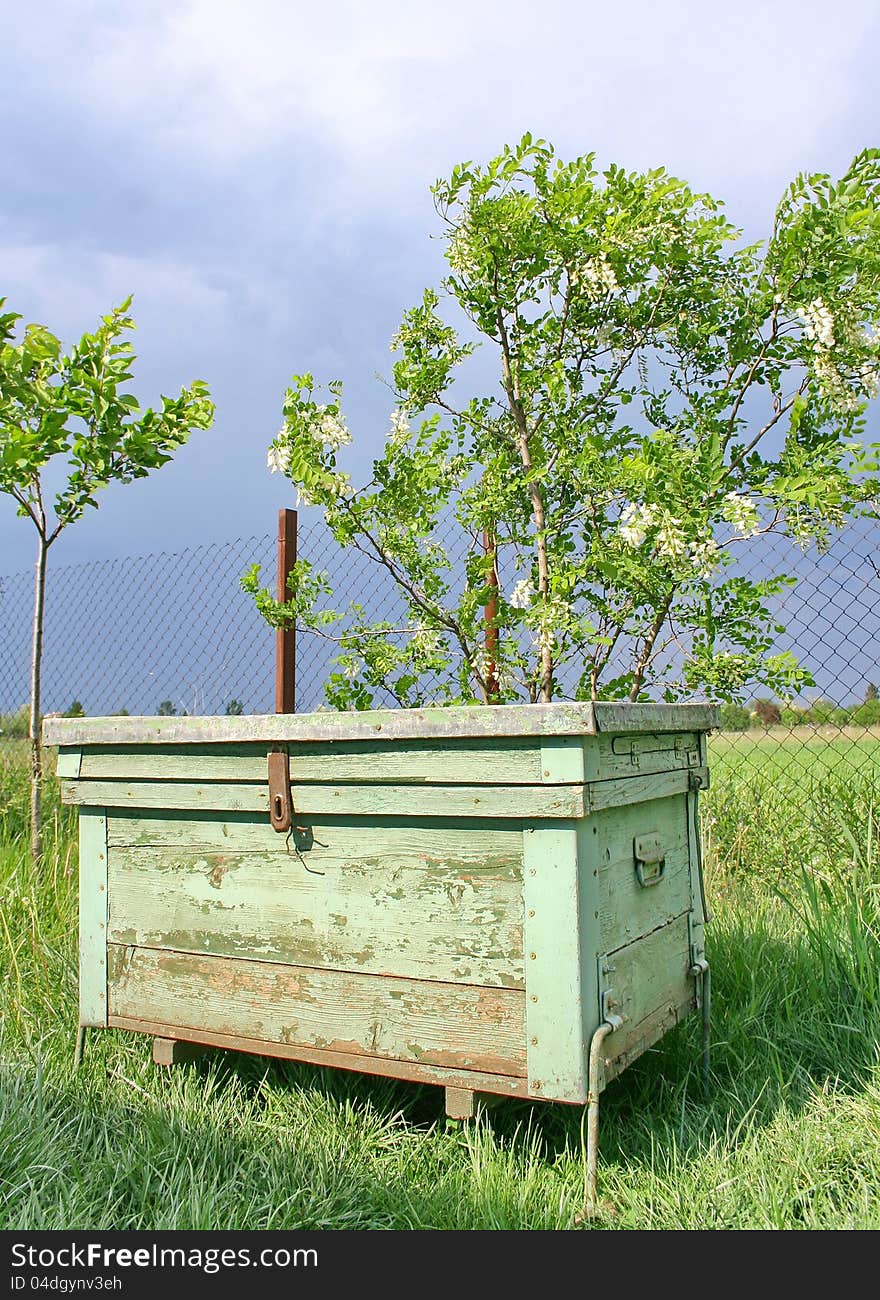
(594, 1087)
(80, 1047)
(461, 1103)
(173, 1051)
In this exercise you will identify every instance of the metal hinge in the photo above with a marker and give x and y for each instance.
(280, 800)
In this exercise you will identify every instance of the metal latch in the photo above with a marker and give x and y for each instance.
(280, 801)
(650, 859)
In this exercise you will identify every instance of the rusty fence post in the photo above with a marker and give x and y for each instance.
(285, 638)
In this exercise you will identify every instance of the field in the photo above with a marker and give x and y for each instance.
(787, 1137)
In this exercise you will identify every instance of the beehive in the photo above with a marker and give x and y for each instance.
(465, 896)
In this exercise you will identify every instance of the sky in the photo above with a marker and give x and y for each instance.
(257, 174)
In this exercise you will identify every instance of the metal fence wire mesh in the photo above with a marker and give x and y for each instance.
(173, 632)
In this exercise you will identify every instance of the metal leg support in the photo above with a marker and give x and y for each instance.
(80, 1047)
(594, 1088)
(701, 972)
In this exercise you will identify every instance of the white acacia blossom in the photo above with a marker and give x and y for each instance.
(278, 459)
(671, 540)
(818, 323)
(597, 276)
(741, 514)
(634, 523)
(331, 430)
(399, 431)
(705, 556)
(521, 596)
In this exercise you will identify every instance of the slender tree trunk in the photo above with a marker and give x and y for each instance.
(537, 499)
(34, 728)
(490, 549)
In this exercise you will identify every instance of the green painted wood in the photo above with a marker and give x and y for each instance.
(638, 789)
(614, 717)
(345, 837)
(626, 908)
(380, 909)
(561, 760)
(505, 720)
(377, 800)
(650, 974)
(554, 1011)
(641, 755)
(411, 1020)
(456, 761)
(92, 917)
(69, 763)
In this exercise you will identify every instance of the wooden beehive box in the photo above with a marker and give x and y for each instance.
(465, 896)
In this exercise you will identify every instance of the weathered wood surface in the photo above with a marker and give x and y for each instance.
(553, 972)
(414, 1071)
(455, 1026)
(638, 789)
(463, 762)
(642, 754)
(651, 973)
(69, 764)
(503, 720)
(351, 800)
(626, 908)
(357, 902)
(92, 917)
(628, 1043)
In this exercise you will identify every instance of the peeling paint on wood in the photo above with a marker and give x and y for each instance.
(92, 917)
(627, 910)
(316, 800)
(460, 761)
(384, 724)
(379, 910)
(412, 1020)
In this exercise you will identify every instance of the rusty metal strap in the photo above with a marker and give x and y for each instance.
(280, 800)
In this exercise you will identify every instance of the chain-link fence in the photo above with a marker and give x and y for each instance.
(175, 633)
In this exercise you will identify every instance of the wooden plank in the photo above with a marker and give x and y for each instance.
(638, 789)
(652, 973)
(379, 910)
(561, 760)
(69, 764)
(554, 1012)
(383, 724)
(92, 916)
(454, 762)
(656, 717)
(628, 909)
(308, 800)
(439, 839)
(641, 755)
(411, 1071)
(413, 1020)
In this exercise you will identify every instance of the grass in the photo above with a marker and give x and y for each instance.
(788, 1137)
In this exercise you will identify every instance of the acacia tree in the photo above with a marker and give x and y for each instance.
(65, 412)
(663, 393)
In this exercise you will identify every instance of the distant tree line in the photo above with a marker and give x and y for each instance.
(819, 713)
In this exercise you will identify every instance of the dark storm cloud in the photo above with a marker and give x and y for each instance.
(258, 176)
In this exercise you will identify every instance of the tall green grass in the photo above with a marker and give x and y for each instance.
(788, 1136)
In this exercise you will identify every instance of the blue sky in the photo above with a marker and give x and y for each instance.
(257, 174)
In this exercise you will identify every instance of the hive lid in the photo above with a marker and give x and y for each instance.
(386, 724)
